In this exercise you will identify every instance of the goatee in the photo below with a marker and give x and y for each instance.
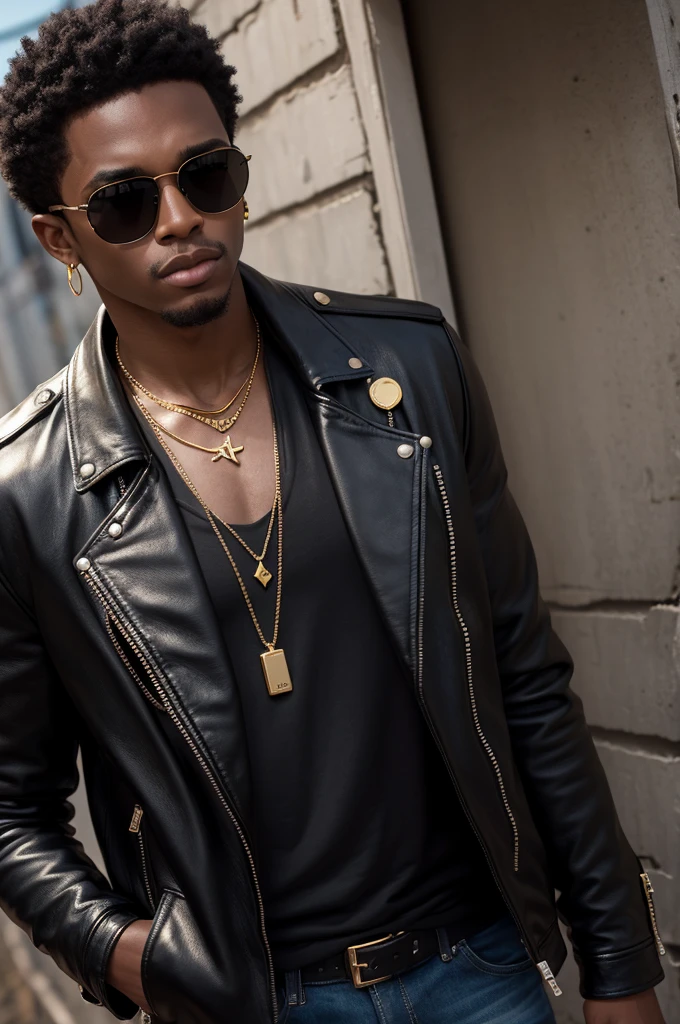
(203, 311)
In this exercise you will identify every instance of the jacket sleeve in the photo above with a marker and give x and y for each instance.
(593, 867)
(47, 883)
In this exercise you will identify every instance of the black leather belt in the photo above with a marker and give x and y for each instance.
(370, 962)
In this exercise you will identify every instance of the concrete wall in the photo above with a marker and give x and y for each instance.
(313, 211)
(552, 166)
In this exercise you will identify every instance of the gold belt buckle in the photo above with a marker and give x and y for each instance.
(355, 966)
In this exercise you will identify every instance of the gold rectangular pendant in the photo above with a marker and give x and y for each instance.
(276, 674)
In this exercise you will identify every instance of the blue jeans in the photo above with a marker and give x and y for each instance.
(489, 979)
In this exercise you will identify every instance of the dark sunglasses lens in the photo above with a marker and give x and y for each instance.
(124, 212)
(214, 182)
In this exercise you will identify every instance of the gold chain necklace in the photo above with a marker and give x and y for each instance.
(273, 660)
(261, 574)
(214, 417)
(226, 450)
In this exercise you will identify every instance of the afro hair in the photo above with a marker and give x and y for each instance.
(83, 57)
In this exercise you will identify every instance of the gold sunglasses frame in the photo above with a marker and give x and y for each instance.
(82, 208)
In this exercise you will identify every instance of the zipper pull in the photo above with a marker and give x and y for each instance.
(549, 977)
(136, 819)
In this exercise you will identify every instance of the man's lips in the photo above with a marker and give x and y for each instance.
(190, 276)
(190, 268)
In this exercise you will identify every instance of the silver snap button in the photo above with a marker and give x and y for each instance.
(115, 530)
(322, 298)
(425, 441)
(86, 470)
(405, 451)
(83, 564)
(355, 363)
(43, 396)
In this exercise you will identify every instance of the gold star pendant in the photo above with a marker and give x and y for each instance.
(227, 451)
(262, 574)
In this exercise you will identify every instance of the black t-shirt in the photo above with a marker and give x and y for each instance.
(358, 830)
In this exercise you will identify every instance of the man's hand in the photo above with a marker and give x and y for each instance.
(640, 1009)
(124, 969)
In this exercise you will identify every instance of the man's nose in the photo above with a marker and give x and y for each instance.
(177, 218)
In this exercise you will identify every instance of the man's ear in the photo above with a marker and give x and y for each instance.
(55, 236)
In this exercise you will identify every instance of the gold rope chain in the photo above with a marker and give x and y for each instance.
(212, 417)
(278, 504)
(226, 450)
(258, 558)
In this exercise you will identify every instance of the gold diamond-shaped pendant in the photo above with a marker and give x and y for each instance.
(262, 574)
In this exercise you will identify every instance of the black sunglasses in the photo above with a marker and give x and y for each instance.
(125, 211)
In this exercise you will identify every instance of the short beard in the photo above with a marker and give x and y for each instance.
(202, 312)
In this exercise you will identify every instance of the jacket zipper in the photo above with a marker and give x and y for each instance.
(649, 889)
(136, 827)
(543, 965)
(132, 638)
(468, 665)
(126, 661)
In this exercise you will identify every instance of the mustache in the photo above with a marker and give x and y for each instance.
(196, 243)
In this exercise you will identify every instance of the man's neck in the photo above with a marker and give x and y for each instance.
(197, 366)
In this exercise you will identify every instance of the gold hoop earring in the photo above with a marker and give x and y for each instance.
(72, 269)
(246, 211)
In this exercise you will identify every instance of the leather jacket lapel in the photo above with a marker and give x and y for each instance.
(100, 437)
(380, 495)
(150, 573)
(315, 348)
(379, 492)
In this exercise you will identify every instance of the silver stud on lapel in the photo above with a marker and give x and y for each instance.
(405, 451)
(115, 530)
(43, 397)
(83, 564)
(355, 363)
(86, 470)
(425, 441)
(322, 298)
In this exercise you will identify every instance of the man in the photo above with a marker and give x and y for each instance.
(259, 563)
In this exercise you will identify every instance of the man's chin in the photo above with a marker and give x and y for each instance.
(201, 311)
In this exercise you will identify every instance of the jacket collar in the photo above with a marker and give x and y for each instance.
(101, 432)
(309, 338)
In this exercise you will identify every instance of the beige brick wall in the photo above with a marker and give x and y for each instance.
(313, 211)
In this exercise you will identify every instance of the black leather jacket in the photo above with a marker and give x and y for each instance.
(108, 641)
